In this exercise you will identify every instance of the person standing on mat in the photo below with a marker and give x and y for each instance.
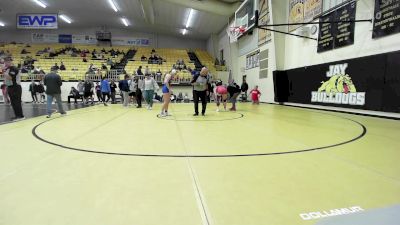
(113, 86)
(32, 90)
(244, 88)
(123, 85)
(166, 90)
(105, 90)
(149, 86)
(200, 90)
(53, 84)
(234, 91)
(139, 84)
(14, 89)
(88, 91)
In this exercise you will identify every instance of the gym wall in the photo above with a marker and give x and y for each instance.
(156, 40)
(368, 83)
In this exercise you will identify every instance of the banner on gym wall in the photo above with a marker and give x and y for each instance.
(130, 41)
(253, 60)
(312, 9)
(370, 83)
(336, 35)
(296, 13)
(264, 36)
(37, 21)
(84, 39)
(44, 38)
(386, 18)
(65, 38)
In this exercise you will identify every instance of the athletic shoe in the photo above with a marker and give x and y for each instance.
(105, 104)
(63, 114)
(150, 108)
(18, 119)
(196, 114)
(167, 114)
(217, 110)
(162, 114)
(203, 114)
(48, 116)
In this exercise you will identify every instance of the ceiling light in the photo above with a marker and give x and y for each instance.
(184, 31)
(65, 18)
(113, 6)
(2, 24)
(190, 18)
(41, 4)
(125, 22)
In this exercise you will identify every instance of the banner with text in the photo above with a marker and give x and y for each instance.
(355, 83)
(387, 18)
(337, 34)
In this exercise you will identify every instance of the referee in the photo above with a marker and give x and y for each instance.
(13, 82)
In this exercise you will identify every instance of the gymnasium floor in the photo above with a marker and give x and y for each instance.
(264, 164)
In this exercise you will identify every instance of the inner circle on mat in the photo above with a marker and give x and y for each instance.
(209, 116)
(139, 133)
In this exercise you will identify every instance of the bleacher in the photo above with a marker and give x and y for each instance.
(76, 69)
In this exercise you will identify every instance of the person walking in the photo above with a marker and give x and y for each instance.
(200, 89)
(149, 86)
(105, 90)
(53, 84)
(14, 89)
(124, 87)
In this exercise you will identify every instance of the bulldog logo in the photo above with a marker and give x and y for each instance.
(339, 89)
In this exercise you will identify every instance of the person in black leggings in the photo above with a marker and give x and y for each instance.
(200, 90)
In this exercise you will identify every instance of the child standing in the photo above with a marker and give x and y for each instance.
(255, 95)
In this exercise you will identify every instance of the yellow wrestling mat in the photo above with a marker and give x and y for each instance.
(264, 164)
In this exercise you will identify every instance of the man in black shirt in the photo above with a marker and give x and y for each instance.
(13, 82)
(53, 84)
(244, 88)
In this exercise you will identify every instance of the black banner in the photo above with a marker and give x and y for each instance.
(345, 30)
(370, 83)
(336, 35)
(325, 36)
(387, 18)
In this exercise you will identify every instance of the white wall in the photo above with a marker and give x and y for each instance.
(156, 40)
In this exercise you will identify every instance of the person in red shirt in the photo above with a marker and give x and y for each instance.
(255, 95)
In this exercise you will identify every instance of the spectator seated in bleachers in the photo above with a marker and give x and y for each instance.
(55, 67)
(83, 54)
(91, 69)
(110, 62)
(84, 60)
(24, 51)
(38, 70)
(62, 66)
(139, 71)
(104, 67)
(143, 58)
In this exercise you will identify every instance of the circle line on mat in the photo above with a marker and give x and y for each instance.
(362, 134)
